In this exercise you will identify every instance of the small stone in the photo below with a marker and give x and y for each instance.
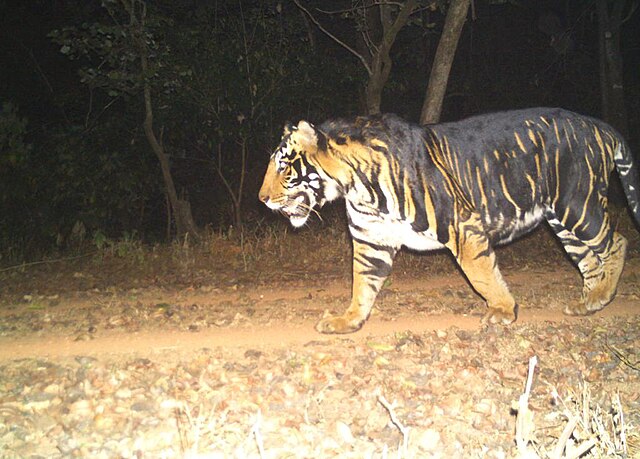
(39, 405)
(44, 423)
(85, 360)
(171, 404)
(381, 361)
(83, 337)
(329, 443)
(123, 393)
(52, 389)
(80, 408)
(428, 440)
(593, 375)
(452, 405)
(102, 422)
(344, 432)
(143, 406)
(252, 354)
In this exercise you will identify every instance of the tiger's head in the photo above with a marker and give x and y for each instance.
(294, 183)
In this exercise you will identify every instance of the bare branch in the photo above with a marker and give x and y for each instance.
(634, 7)
(371, 5)
(333, 37)
(225, 182)
(365, 29)
(401, 19)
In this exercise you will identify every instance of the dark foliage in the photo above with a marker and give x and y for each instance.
(226, 77)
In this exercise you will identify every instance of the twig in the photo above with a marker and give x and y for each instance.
(394, 419)
(564, 438)
(255, 430)
(623, 358)
(533, 361)
(41, 262)
(368, 5)
(623, 428)
(196, 425)
(581, 449)
(524, 420)
(334, 38)
(586, 414)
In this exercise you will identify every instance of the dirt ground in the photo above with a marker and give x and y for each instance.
(146, 353)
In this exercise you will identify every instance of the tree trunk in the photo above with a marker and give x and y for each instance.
(373, 91)
(611, 83)
(432, 106)
(381, 61)
(181, 208)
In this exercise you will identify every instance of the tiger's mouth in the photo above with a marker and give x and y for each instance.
(298, 209)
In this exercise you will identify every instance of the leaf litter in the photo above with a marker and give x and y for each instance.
(445, 393)
(411, 392)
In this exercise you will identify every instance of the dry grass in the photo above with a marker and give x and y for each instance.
(589, 429)
(265, 253)
(581, 427)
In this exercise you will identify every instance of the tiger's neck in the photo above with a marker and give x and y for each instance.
(336, 174)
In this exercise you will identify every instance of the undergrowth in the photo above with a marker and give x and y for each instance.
(273, 250)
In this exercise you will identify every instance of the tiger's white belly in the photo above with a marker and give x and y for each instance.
(388, 231)
(503, 231)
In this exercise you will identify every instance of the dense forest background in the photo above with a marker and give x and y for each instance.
(81, 157)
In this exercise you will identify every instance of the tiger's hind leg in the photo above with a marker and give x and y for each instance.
(612, 264)
(599, 259)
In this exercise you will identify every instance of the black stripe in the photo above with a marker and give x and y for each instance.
(376, 266)
(377, 189)
(380, 248)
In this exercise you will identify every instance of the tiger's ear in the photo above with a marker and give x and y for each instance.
(307, 135)
(288, 129)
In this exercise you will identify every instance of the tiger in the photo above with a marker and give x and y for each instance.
(466, 186)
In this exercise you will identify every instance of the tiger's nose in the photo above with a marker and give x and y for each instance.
(262, 196)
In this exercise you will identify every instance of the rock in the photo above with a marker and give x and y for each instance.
(441, 334)
(80, 408)
(123, 393)
(344, 432)
(102, 422)
(485, 406)
(427, 440)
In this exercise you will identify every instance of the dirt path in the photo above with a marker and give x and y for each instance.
(288, 333)
(231, 369)
(154, 343)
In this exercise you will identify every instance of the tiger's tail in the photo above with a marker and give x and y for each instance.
(629, 176)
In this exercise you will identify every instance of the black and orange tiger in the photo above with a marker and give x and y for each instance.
(466, 186)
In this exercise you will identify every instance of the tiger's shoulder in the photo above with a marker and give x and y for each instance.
(387, 134)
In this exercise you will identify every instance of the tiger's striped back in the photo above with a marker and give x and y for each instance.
(516, 165)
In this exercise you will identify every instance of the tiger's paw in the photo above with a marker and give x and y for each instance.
(338, 325)
(592, 301)
(500, 316)
(582, 309)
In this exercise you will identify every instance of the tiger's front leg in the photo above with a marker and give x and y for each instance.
(371, 266)
(470, 246)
